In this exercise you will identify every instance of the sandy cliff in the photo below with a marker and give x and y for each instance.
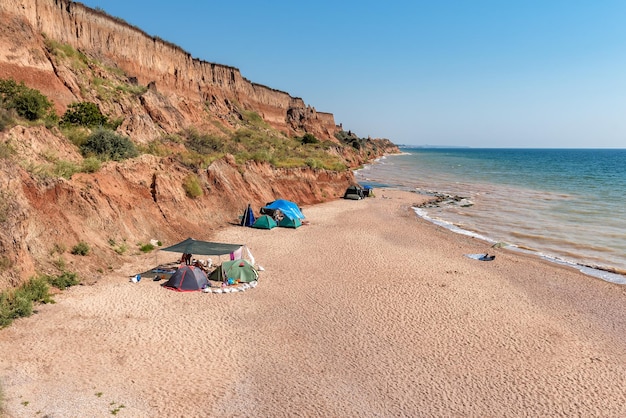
(72, 53)
(186, 83)
(128, 204)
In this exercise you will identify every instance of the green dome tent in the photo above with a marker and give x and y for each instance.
(264, 222)
(287, 222)
(236, 269)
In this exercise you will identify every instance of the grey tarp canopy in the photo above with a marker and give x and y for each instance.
(193, 246)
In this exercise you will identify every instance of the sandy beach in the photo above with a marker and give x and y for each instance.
(367, 311)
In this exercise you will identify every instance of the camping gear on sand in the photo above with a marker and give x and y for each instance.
(287, 222)
(192, 246)
(265, 222)
(286, 207)
(187, 279)
(234, 271)
(354, 192)
(481, 257)
(197, 247)
(247, 219)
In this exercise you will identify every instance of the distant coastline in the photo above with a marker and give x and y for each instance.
(432, 146)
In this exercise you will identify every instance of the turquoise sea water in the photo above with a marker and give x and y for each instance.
(567, 205)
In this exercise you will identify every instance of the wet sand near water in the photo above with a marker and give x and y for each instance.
(366, 311)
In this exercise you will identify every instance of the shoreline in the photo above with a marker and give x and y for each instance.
(366, 311)
(606, 272)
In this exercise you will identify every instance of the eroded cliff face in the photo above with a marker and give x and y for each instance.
(155, 88)
(125, 204)
(186, 86)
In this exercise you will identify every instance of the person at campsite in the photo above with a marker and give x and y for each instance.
(186, 258)
(278, 215)
(200, 265)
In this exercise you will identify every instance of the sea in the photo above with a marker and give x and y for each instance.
(565, 205)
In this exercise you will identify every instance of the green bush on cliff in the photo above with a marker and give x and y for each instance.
(146, 248)
(336, 166)
(77, 135)
(313, 163)
(90, 165)
(55, 168)
(309, 138)
(200, 149)
(66, 52)
(58, 168)
(351, 139)
(28, 103)
(262, 156)
(345, 137)
(253, 119)
(118, 248)
(107, 145)
(82, 248)
(18, 306)
(132, 89)
(194, 160)
(202, 143)
(192, 186)
(84, 114)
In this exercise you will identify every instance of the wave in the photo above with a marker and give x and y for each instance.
(606, 273)
(539, 200)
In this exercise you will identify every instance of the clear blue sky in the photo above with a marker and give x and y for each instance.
(481, 73)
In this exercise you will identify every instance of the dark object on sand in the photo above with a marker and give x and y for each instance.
(247, 219)
(354, 192)
(481, 257)
(187, 279)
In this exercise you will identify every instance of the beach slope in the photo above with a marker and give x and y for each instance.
(365, 311)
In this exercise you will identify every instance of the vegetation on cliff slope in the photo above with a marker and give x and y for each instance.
(94, 132)
(245, 134)
(27, 103)
(86, 125)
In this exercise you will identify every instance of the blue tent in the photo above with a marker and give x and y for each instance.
(247, 219)
(288, 208)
